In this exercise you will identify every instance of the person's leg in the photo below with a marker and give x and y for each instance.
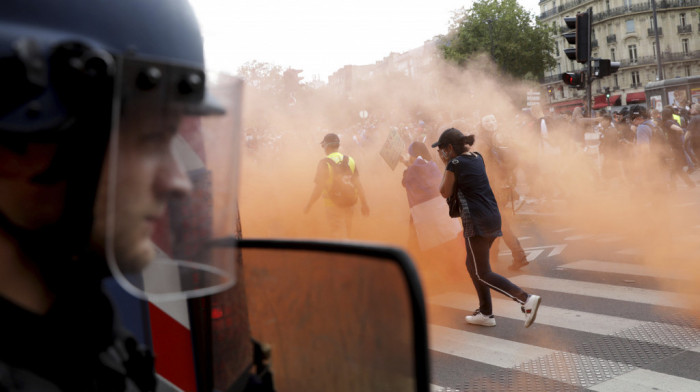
(516, 250)
(482, 290)
(478, 259)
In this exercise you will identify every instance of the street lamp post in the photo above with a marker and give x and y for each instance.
(659, 65)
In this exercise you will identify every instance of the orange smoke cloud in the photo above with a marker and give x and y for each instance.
(279, 164)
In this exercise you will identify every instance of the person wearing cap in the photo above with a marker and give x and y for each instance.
(339, 217)
(693, 134)
(465, 178)
(674, 134)
(639, 118)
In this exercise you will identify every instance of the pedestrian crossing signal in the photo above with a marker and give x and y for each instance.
(574, 79)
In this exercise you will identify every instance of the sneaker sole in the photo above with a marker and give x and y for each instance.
(533, 314)
(481, 324)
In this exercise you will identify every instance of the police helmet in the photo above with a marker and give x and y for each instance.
(70, 68)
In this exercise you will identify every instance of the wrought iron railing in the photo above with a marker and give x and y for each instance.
(612, 38)
(641, 7)
(684, 29)
(650, 31)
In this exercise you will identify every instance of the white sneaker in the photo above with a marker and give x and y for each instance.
(479, 319)
(530, 309)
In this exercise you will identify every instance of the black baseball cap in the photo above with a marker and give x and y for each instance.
(638, 111)
(453, 136)
(329, 139)
(449, 136)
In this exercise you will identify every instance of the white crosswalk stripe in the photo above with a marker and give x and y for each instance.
(626, 268)
(611, 376)
(493, 351)
(556, 317)
(621, 293)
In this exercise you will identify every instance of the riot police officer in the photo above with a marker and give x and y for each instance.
(103, 172)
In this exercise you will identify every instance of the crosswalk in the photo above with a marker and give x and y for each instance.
(571, 347)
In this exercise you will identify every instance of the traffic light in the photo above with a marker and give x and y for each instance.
(574, 79)
(605, 67)
(580, 37)
(607, 93)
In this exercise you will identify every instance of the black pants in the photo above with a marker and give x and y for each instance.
(484, 279)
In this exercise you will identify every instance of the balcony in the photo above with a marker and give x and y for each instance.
(650, 32)
(635, 85)
(611, 39)
(685, 29)
(646, 6)
(594, 43)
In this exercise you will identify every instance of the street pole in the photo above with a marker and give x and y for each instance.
(659, 64)
(589, 66)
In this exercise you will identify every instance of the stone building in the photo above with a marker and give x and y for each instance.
(623, 31)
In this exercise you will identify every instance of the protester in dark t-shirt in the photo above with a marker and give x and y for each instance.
(465, 176)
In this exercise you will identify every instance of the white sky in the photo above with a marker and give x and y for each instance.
(319, 36)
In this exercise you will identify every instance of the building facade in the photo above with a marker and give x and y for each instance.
(623, 31)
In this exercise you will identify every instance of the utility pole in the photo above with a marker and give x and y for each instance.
(659, 64)
(589, 66)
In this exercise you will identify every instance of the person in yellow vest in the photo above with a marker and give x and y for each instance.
(337, 181)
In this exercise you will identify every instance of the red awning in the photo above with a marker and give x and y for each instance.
(601, 101)
(636, 97)
(568, 103)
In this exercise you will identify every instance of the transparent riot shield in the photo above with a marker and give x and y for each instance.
(336, 317)
(171, 186)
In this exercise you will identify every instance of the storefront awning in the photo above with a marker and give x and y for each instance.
(568, 103)
(636, 97)
(601, 101)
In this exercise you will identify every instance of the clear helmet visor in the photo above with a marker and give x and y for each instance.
(171, 185)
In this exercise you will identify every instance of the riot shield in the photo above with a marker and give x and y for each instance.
(336, 316)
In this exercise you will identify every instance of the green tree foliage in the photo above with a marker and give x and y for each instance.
(262, 76)
(521, 45)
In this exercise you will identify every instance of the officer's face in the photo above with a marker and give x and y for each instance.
(148, 175)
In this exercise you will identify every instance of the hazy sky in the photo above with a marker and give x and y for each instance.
(319, 36)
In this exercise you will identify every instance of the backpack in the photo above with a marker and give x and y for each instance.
(342, 191)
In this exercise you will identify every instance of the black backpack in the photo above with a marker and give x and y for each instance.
(342, 191)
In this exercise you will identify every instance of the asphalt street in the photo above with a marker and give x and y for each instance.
(608, 321)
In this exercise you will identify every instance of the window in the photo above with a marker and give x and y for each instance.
(681, 18)
(612, 54)
(559, 68)
(633, 53)
(628, 3)
(556, 48)
(635, 78)
(687, 70)
(607, 5)
(651, 22)
(630, 25)
(654, 47)
(615, 78)
(684, 44)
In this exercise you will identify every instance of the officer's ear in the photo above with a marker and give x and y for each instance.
(25, 160)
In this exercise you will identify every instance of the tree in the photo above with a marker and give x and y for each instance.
(262, 76)
(518, 43)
